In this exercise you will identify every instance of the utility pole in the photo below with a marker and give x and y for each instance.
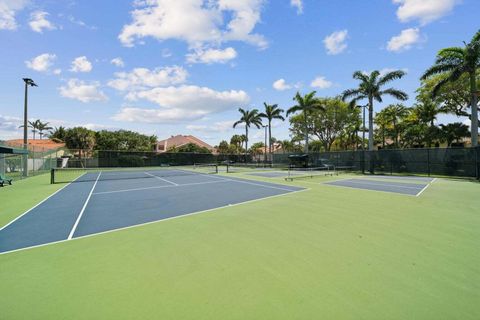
(31, 83)
(265, 153)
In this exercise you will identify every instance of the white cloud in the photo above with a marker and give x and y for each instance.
(82, 91)
(424, 11)
(38, 21)
(184, 103)
(9, 127)
(335, 42)
(80, 23)
(41, 63)
(210, 56)
(198, 22)
(8, 123)
(405, 40)
(281, 85)
(141, 78)
(297, 4)
(118, 62)
(8, 10)
(81, 64)
(321, 83)
(221, 126)
(57, 71)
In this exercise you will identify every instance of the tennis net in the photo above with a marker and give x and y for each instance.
(67, 175)
(300, 173)
(248, 167)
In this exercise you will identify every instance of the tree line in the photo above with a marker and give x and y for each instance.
(450, 86)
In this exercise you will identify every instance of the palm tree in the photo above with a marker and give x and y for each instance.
(43, 126)
(454, 62)
(394, 114)
(249, 117)
(271, 112)
(370, 88)
(306, 105)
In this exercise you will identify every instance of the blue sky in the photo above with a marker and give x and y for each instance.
(169, 67)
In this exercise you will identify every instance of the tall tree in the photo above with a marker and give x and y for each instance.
(306, 105)
(370, 88)
(454, 132)
(454, 62)
(271, 113)
(394, 114)
(58, 133)
(80, 138)
(249, 118)
(41, 127)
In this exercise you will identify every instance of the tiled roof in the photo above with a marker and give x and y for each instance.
(180, 140)
(45, 144)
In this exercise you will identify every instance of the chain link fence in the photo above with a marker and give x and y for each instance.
(454, 162)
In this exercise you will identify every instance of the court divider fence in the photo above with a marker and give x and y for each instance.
(455, 162)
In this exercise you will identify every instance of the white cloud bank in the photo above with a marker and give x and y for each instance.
(142, 78)
(424, 11)
(198, 22)
(82, 91)
(335, 43)
(210, 56)
(118, 62)
(183, 103)
(38, 22)
(81, 64)
(321, 83)
(8, 10)
(405, 40)
(41, 63)
(297, 4)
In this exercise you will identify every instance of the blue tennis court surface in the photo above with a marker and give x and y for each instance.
(413, 189)
(100, 202)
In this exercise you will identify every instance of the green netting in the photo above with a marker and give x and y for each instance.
(459, 162)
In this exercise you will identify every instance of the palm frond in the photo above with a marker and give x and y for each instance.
(351, 93)
(438, 69)
(359, 75)
(390, 76)
(397, 94)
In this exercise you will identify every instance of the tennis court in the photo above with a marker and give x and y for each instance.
(99, 201)
(412, 186)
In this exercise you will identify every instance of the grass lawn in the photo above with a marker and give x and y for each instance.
(325, 253)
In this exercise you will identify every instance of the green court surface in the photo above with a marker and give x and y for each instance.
(324, 253)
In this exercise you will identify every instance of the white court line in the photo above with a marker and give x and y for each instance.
(157, 187)
(159, 178)
(83, 208)
(40, 203)
(156, 221)
(255, 184)
(383, 184)
(369, 190)
(425, 188)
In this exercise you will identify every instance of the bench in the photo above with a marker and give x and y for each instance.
(4, 181)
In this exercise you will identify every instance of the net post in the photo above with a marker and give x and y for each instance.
(428, 161)
(52, 176)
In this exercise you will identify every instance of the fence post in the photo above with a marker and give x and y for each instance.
(477, 162)
(428, 161)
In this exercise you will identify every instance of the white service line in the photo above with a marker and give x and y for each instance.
(159, 178)
(156, 221)
(425, 188)
(157, 187)
(83, 208)
(383, 185)
(255, 184)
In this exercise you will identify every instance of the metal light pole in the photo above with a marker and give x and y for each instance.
(363, 137)
(265, 153)
(31, 83)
